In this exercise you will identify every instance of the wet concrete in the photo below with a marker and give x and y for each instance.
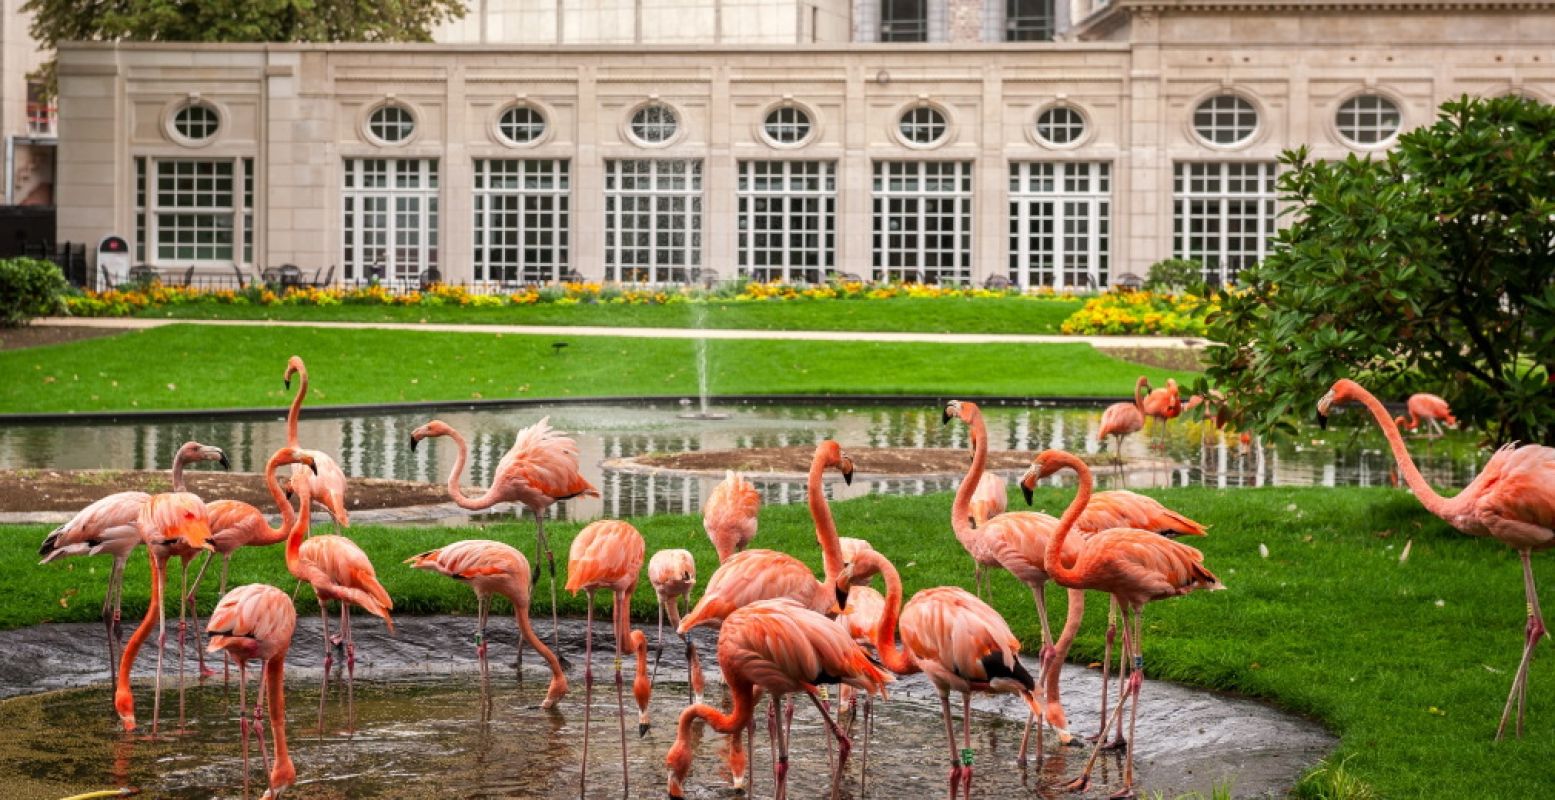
(418, 728)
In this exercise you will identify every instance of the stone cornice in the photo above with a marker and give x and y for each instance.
(1120, 10)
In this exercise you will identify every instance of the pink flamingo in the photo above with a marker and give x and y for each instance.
(494, 568)
(989, 499)
(729, 515)
(174, 518)
(1512, 500)
(1430, 409)
(326, 480)
(1120, 420)
(608, 554)
(334, 566)
(1013, 541)
(112, 526)
(781, 648)
(234, 524)
(960, 643)
(673, 574)
(256, 622)
(1162, 404)
(540, 469)
(1135, 567)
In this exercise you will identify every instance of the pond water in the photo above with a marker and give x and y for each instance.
(377, 445)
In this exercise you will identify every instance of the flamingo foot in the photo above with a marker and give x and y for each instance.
(1079, 784)
(1116, 744)
(1126, 793)
(955, 779)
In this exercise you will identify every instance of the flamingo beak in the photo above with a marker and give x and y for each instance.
(944, 417)
(847, 471)
(1322, 410)
(287, 382)
(642, 729)
(413, 442)
(1027, 483)
(223, 460)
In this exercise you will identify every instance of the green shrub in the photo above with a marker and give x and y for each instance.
(29, 288)
(1176, 276)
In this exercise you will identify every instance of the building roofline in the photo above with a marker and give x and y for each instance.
(1118, 11)
(586, 49)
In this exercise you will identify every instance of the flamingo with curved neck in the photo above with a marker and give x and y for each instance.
(1135, 566)
(961, 522)
(325, 477)
(1512, 499)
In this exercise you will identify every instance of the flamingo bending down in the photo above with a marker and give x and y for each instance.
(960, 643)
(729, 516)
(778, 647)
(540, 469)
(174, 518)
(1512, 500)
(1135, 567)
(1016, 542)
(1120, 420)
(326, 480)
(1163, 404)
(256, 622)
(334, 566)
(608, 554)
(1430, 409)
(673, 574)
(234, 524)
(111, 526)
(494, 568)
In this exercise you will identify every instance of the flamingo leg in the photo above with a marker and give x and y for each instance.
(541, 544)
(243, 719)
(221, 591)
(950, 735)
(156, 697)
(1039, 593)
(966, 744)
(1136, 679)
(259, 721)
(844, 747)
(329, 657)
(183, 624)
(1534, 631)
(482, 604)
(1079, 784)
(658, 646)
(1106, 662)
(618, 613)
(194, 611)
(869, 731)
(693, 663)
(1124, 670)
(111, 615)
(350, 649)
(782, 759)
(588, 689)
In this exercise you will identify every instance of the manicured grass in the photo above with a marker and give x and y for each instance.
(934, 315)
(181, 367)
(1408, 662)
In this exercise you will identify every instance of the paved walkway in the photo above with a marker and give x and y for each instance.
(1106, 342)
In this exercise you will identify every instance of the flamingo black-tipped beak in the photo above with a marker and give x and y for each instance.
(944, 417)
(225, 462)
(413, 442)
(287, 382)
(642, 729)
(847, 476)
(1026, 492)
(1322, 421)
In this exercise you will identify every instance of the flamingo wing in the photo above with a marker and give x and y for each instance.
(1140, 566)
(542, 467)
(1120, 419)
(961, 634)
(338, 568)
(754, 575)
(234, 524)
(782, 646)
(731, 511)
(254, 621)
(1516, 496)
(1124, 509)
(606, 554)
(111, 524)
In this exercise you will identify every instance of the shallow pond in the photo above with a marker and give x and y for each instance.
(377, 445)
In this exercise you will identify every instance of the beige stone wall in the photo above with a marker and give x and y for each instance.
(655, 22)
(298, 110)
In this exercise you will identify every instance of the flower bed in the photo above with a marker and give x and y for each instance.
(117, 303)
(1143, 313)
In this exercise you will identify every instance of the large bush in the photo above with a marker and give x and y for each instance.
(29, 288)
(1427, 269)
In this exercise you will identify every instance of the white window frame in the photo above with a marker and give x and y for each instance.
(905, 252)
(518, 239)
(405, 181)
(1060, 214)
(1226, 119)
(642, 202)
(1201, 194)
(153, 217)
(801, 196)
(1346, 131)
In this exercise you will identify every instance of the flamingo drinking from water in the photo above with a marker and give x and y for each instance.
(673, 574)
(166, 520)
(729, 515)
(326, 480)
(256, 622)
(1430, 409)
(1134, 566)
(608, 554)
(494, 568)
(540, 469)
(1512, 500)
(781, 648)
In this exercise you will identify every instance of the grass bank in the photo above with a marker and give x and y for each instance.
(937, 315)
(191, 367)
(1409, 662)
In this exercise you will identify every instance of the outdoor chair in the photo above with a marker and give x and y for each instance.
(425, 280)
(1128, 280)
(188, 277)
(996, 281)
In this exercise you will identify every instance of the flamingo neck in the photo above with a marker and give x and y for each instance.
(454, 492)
(1139, 393)
(885, 634)
(178, 470)
(1433, 502)
(960, 510)
(295, 411)
(1053, 560)
(293, 526)
(825, 526)
(642, 687)
(124, 699)
(283, 773)
(733, 722)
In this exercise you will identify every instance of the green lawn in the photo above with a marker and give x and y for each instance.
(1408, 662)
(184, 367)
(983, 315)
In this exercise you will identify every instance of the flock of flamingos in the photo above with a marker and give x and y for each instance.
(784, 632)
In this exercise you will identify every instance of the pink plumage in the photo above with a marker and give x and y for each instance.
(989, 499)
(607, 554)
(1121, 508)
(326, 480)
(252, 621)
(673, 573)
(730, 514)
(109, 525)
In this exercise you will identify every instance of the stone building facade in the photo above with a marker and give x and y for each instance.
(1151, 129)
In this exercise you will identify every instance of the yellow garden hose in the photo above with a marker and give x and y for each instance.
(122, 792)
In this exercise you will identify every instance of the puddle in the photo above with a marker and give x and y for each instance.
(419, 730)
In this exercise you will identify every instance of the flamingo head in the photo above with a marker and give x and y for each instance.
(1343, 391)
(830, 454)
(294, 366)
(425, 560)
(434, 428)
(678, 761)
(964, 410)
(194, 451)
(1044, 465)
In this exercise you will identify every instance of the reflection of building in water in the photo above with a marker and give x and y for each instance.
(377, 445)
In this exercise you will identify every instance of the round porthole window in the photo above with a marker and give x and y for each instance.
(391, 124)
(654, 124)
(521, 124)
(1368, 119)
(787, 125)
(196, 122)
(1225, 119)
(1060, 126)
(923, 125)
